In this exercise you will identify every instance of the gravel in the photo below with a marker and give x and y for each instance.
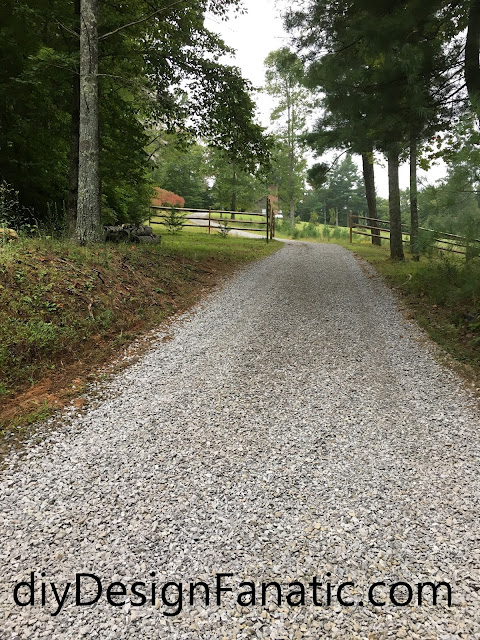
(295, 425)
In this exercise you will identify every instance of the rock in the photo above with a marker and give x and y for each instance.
(131, 233)
(8, 235)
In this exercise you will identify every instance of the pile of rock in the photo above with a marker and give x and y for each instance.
(6, 235)
(131, 233)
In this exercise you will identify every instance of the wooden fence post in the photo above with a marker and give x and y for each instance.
(351, 227)
(267, 219)
(209, 216)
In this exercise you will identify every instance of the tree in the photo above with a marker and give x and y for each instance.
(243, 192)
(234, 132)
(385, 69)
(371, 196)
(290, 184)
(342, 126)
(472, 51)
(453, 205)
(165, 198)
(183, 170)
(284, 77)
(158, 69)
(340, 189)
(34, 103)
(88, 227)
(348, 73)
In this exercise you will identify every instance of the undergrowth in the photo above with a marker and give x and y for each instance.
(61, 304)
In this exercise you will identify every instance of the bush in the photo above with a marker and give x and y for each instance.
(12, 213)
(223, 228)
(310, 231)
(426, 242)
(337, 233)
(174, 220)
(9, 204)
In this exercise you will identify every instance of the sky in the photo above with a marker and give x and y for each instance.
(253, 35)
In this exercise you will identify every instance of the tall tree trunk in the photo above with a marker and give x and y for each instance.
(472, 49)
(396, 244)
(73, 159)
(89, 224)
(291, 154)
(71, 213)
(413, 199)
(234, 190)
(369, 181)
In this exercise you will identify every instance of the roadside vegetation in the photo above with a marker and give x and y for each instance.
(442, 293)
(66, 309)
(441, 290)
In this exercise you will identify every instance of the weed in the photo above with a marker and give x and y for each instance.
(42, 413)
(4, 390)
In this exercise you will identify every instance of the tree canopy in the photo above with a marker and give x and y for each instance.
(389, 76)
(159, 71)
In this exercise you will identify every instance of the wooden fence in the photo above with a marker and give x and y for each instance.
(441, 240)
(215, 218)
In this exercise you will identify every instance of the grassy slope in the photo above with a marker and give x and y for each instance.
(66, 309)
(443, 296)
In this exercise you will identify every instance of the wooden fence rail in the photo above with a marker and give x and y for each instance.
(454, 243)
(267, 225)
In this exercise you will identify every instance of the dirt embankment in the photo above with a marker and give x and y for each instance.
(64, 311)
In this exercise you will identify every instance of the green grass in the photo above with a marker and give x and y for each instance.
(61, 304)
(231, 249)
(241, 220)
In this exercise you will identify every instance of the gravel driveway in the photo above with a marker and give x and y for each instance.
(295, 426)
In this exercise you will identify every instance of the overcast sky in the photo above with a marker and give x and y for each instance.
(256, 33)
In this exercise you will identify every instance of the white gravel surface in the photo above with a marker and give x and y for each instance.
(295, 426)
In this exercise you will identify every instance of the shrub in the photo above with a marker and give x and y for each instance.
(426, 241)
(174, 220)
(310, 231)
(223, 228)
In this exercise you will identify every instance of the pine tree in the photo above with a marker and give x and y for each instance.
(384, 70)
(284, 77)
